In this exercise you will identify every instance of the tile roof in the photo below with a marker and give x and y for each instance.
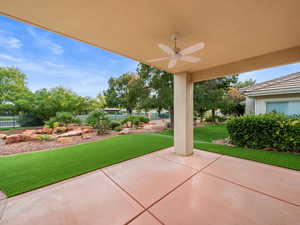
(289, 81)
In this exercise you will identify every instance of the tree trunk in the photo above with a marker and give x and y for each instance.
(213, 115)
(159, 113)
(129, 110)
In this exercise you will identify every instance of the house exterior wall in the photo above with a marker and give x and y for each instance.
(250, 105)
(261, 101)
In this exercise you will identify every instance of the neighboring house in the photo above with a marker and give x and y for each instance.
(280, 95)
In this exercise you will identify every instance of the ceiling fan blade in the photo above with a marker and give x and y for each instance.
(190, 59)
(166, 49)
(157, 59)
(172, 63)
(192, 49)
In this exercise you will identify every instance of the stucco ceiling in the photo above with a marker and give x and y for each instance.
(233, 30)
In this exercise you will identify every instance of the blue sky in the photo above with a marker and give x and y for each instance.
(51, 60)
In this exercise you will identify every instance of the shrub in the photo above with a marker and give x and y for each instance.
(118, 128)
(144, 119)
(52, 123)
(62, 119)
(99, 121)
(44, 137)
(134, 121)
(65, 118)
(264, 131)
(114, 124)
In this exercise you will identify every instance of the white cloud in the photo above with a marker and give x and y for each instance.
(54, 64)
(56, 49)
(45, 42)
(10, 42)
(10, 58)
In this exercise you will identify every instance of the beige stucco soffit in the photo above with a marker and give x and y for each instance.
(282, 57)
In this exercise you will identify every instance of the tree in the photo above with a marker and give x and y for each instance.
(246, 83)
(44, 104)
(209, 95)
(159, 85)
(233, 101)
(124, 91)
(12, 88)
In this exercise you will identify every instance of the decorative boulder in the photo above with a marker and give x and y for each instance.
(87, 129)
(125, 131)
(15, 138)
(76, 132)
(64, 139)
(3, 136)
(59, 130)
(47, 130)
(71, 127)
(29, 132)
(85, 137)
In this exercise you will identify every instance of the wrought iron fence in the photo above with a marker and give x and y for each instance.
(9, 121)
(151, 116)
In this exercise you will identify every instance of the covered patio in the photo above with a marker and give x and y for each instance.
(165, 187)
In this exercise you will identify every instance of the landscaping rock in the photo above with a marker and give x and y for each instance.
(64, 139)
(87, 129)
(46, 130)
(29, 132)
(71, 127)
(76, 132)
(125, 131)
(85, 137)
(59, 130)
(15, 138)
(3, 136)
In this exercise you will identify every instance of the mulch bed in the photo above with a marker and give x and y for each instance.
(33, 146)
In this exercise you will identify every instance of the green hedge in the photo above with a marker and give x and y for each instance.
(266, 131)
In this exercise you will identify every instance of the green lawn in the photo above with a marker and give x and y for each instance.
(204, 135)
(207, 133)
(282, 159)
(25, 172)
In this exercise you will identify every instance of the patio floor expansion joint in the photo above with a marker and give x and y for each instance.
(252, 189)
(146, 209)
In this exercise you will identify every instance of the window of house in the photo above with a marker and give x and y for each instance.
(288, 108)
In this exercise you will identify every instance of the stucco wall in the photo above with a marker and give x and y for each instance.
(260, 101)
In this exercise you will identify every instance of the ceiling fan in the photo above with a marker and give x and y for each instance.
(175, 54)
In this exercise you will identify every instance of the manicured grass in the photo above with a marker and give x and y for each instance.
(204, 135)
(282, 159)
(25, 172)
(207, 133)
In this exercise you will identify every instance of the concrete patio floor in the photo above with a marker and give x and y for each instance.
(163, 188)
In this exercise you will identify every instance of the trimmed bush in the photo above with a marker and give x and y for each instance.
(118, 128)
(114, 124)
(144, 119)
(265, 131)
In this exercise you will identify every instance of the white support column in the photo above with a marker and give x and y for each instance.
(183, 114)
